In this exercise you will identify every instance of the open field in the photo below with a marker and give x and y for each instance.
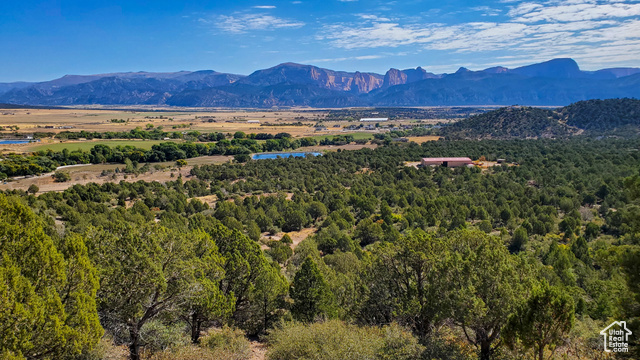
(356, 135)
(51, 120)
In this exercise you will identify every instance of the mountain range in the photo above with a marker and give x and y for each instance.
(554, 82)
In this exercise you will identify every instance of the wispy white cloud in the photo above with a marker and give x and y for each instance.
(573, 11)
(264, 7)
(241, 23)
(583, 29)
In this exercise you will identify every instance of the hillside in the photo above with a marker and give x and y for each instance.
(508, 123)
(603, 115)
(592, 117)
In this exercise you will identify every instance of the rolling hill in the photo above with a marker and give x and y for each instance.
(592, 117)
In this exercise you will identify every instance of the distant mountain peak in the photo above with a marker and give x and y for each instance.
(555, 68)
(496, 70)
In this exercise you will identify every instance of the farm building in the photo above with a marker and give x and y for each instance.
(447, 161)
(374, 119)
(253, 121)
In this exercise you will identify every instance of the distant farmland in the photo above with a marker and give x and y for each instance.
(87, 145)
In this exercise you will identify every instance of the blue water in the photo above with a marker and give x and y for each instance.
(7, 142)
(283, 155)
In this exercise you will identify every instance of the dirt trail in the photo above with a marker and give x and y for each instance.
(258, 350)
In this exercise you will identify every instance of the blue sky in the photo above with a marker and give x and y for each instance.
(42, 40)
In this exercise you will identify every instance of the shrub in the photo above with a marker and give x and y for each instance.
(279, 251)
(192, 352)
(231, 342)
(485, 225)
(398, 344)
(104, 350)
(242, 158)
(61, 176)
(337, 340)
(159, 337)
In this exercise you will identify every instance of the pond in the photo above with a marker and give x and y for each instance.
(283, 155)
(8, 142)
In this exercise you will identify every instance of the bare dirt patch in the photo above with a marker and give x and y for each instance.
(296, 236)
(258, 350)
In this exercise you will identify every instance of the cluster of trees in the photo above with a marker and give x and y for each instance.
(48, 160)
(151, 133)
(414, 131)
(505, 262)
(337, 140)
(157, 133)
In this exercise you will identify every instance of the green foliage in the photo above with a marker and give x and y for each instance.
(488, 283)
(406, 282)
(368, 232)
(286, 239)
(242, 158)
(159, 258)
(160, 337)
(206, 302)
(279, 251)
(519, 240)
(244, 265)
(485, 225)
(311, 295)
(542, 321)
(268, 299)
(331, 238)
(47, 289)
(61, 176)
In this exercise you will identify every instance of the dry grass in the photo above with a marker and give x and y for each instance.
(422, 139)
